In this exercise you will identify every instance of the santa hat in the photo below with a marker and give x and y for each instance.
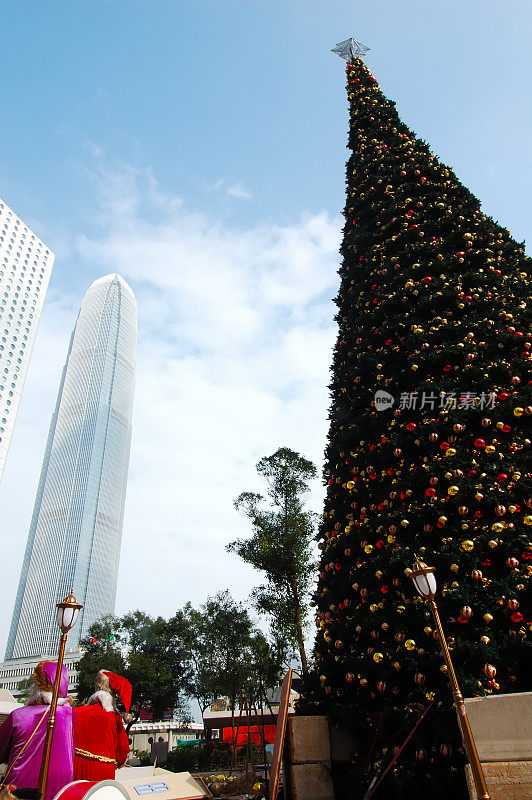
(120, 686)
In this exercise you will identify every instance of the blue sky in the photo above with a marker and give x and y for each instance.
(198, 148)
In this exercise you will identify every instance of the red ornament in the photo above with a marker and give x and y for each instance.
(490, 671)
(480, 443)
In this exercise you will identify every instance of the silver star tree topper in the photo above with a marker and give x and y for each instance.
(350, 49)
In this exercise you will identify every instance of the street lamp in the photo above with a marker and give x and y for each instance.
(425, 583)
(67, 614)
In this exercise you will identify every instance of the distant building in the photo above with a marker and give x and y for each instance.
(25, 268)
(13, 671)
(76, 528)
(143, 734)
(219, 719)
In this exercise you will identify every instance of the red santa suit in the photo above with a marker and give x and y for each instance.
(100, 739)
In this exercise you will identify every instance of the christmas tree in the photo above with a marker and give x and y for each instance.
(427, 456)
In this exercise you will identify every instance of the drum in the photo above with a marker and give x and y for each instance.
(95, 790)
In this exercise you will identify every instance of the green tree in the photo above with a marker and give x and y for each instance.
(280, 545)
(432, 309)
(198, 636)
(24, 689)
(156, 665)
(227, 655)
(145, 651)
(102, 650)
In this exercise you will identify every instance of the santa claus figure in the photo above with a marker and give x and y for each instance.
(100, 739)
(23, 733)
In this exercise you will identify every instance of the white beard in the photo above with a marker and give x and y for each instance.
(40, 698)
(105, 699)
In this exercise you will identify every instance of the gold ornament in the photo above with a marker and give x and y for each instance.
(452, 490)
(410, 644)
(488, 618)
(467, 545)
(377, 657)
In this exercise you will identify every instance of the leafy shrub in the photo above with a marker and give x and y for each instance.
(201, 757)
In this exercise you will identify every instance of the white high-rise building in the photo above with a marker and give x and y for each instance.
(76, 529)
(25, 267)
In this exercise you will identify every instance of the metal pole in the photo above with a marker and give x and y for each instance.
(463, 722)
(43, 775)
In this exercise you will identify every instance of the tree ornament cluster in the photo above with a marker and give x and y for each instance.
(434, 311)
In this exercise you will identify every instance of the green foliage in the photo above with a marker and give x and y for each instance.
(144, 757)
(226, 655)
(24, 688)
(145, 651)
(280, 545)
(101, 652)
(203, 757)
(433, 299)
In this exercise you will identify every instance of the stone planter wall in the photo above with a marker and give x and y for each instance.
(502, 729)
(501, 725)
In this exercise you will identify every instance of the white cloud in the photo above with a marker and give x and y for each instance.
(234, 349)
(237, 190)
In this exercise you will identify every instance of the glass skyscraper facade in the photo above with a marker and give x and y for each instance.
(76, 527)
(25, 268)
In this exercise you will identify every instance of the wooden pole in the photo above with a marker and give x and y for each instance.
(45, 764)
(463, 722)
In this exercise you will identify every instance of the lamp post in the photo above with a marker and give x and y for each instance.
(425, 583)
(67, 614)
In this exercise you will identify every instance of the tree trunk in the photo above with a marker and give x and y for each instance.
(208, 733)
(262, 739)
(299, 628)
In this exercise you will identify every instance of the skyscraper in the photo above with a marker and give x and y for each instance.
(76, 528)
(25, 268)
